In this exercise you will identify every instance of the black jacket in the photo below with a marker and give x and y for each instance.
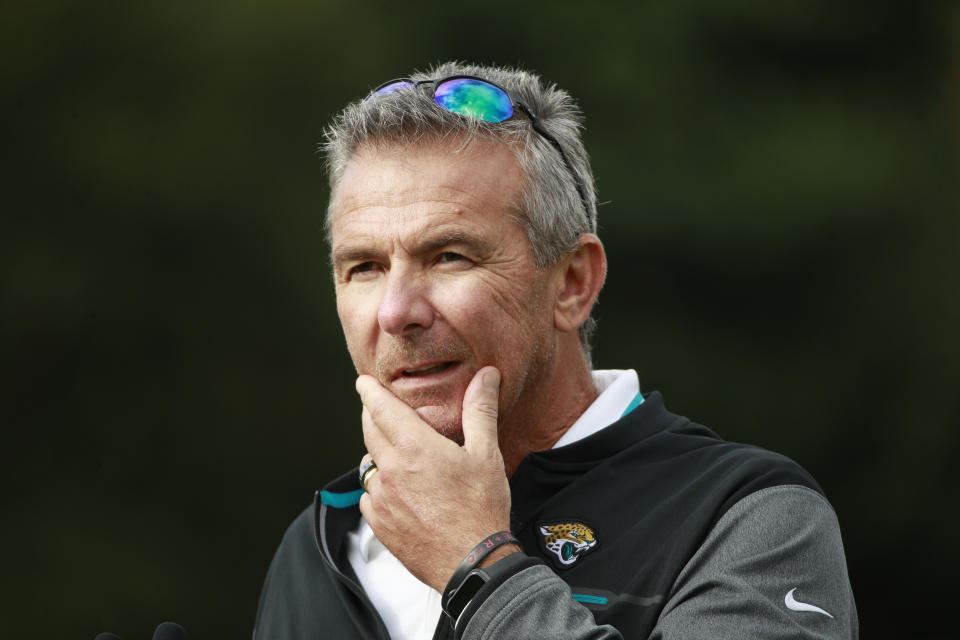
(618, 516)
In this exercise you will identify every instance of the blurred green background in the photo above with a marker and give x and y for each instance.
(781, 189)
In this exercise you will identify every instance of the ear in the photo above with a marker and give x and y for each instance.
(582, 274)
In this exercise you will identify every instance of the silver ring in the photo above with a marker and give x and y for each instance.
(366, 472)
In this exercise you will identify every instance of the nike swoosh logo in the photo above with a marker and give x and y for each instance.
(795, 605)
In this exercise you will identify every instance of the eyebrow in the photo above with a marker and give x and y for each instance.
(430, 245)
(472, 242)
(340, 256)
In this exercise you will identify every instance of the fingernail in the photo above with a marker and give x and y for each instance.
(491, 380)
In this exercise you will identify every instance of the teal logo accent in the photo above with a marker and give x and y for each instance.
(600, 599)
(588, 599)
(565, 542)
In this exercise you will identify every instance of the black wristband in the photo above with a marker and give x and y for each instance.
(473, 558)
(492, 577)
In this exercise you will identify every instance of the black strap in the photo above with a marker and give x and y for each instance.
(478, 553)
(494, 576)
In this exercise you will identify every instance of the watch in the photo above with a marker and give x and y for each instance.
(464, 593)
(465, 598)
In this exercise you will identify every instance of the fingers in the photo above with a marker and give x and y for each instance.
(366, 507)
(480, 409)
(386, 418)
(373, 437)
(391, 416)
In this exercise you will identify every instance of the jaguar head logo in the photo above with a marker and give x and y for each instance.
(567, 541)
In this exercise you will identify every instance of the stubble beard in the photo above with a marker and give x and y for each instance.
(442, 407)
(439, 406)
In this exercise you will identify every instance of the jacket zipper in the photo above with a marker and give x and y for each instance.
(320, 539)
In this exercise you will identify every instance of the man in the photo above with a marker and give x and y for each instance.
(508, 490)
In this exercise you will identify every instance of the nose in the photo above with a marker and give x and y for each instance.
(405, 307)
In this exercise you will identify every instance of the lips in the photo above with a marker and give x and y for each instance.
(427, 369)
(414, 363)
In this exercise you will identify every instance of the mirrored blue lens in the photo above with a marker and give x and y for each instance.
(390, 87)
(474, 98)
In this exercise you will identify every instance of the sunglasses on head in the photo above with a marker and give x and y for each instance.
(481, 99)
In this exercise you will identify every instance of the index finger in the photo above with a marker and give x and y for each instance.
(390, 414)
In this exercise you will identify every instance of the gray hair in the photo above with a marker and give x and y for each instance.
(553, 213)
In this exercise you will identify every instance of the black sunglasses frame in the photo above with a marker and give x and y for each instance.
(517, 103)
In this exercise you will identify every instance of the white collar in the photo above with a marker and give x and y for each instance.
(618, 388)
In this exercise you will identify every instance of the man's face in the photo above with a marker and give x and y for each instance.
(435, 279)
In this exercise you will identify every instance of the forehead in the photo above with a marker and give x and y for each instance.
(478, 183)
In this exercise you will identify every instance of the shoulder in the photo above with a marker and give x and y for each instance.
(782, 517)
(773, 562)
(697, 455)
(294, 572)
(298, 540)
(753, 469)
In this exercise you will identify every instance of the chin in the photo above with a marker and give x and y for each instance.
(444, 421)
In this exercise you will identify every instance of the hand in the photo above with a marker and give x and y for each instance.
(432, 500)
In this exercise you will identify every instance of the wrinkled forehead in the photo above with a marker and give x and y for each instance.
(442, 166)
(475, 175)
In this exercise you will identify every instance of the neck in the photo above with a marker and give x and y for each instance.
(536, 423)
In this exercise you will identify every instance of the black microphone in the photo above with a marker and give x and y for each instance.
(169, 631)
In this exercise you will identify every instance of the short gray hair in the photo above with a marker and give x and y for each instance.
(553, 213)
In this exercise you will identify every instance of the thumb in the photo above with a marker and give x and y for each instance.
(480, 408)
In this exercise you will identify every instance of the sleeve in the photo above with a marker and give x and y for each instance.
(772, 567)
(533, 603)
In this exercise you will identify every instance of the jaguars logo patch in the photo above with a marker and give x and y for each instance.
(566, 542)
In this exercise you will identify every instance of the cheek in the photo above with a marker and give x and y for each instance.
(358, 318)
(474, 309)
(502, 324)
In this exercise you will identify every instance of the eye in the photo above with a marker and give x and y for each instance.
(358, 270)
(449, 256)
(453, 261)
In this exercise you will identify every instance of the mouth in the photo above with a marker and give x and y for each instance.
(425, 370)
